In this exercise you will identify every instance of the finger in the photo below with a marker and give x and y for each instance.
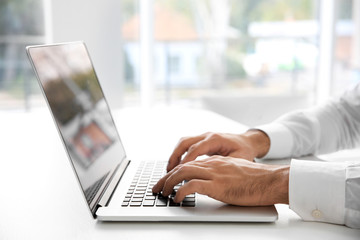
(182, 147)
(160, 184)
(185, 172)
(193, 186)
(203, 147)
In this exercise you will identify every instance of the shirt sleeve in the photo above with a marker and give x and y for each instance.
(281, 140)
(321, 191)
(318, 130)
(325, 191)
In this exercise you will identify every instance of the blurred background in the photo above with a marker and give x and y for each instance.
(249, 60)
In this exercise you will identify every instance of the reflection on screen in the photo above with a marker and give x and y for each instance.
(80, 110)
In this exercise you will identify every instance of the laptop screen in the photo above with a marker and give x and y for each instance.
(80, 110)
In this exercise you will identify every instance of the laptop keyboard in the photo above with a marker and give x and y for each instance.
(140, 192)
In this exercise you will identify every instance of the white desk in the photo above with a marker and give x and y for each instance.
(40, 198)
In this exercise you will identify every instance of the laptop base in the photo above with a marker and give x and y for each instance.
(222, 213)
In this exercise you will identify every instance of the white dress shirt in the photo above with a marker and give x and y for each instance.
(319, 190)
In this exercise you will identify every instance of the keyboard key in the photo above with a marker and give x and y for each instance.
(136, 200)
(125, 204)
(148, 203)
(140, 192)
(162, 202)
(189, 199)
(188, 204)
(138, 196)
(135, 204)
(150, 197)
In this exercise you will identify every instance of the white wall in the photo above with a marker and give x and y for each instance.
(98, 23)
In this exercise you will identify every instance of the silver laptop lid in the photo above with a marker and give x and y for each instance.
(73, 93)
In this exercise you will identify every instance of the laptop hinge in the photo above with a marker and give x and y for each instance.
(113, 183)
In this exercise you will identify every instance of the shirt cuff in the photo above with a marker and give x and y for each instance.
(317, 190)
(281, 140)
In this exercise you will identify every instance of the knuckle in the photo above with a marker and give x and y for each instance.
(208, 134)
(175, 169)
(215, 136)
(183, 169)
(180, 170)
(192, 148)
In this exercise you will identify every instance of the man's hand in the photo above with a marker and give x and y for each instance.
(230, 180)
(251, 144)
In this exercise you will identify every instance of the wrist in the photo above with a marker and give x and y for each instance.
(259, 141)
(282, 185)
(277, 187)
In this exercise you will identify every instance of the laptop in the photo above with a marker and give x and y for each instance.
(114, 188)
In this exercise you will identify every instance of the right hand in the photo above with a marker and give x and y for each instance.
(230, 180)
(248, 145)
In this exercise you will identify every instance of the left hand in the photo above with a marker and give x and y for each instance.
(251, 144)
(230, 180)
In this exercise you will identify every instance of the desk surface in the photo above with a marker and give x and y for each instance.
(40, 198)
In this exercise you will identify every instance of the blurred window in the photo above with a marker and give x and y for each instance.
(21, 24)
(174, 64)
(346, 69)
(227, 47)
(202, 49)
